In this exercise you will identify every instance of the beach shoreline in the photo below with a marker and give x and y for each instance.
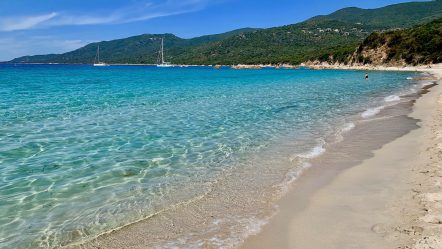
(134, 235)
(309, 65)
(389, 200)
(404, 68)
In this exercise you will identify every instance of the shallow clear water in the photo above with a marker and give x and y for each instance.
(84, 150)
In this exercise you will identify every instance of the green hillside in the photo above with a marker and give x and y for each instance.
(287, 44)
(418, 45)
(337, 34)
(135, 49)
(394, 16)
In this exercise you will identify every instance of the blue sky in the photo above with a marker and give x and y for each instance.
(29, 27)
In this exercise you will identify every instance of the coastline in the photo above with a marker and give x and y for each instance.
(309, 65)
(132, 235)
(406, 68)
(390, 200)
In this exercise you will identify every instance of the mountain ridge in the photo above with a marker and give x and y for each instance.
(399, 15)
(338, 33)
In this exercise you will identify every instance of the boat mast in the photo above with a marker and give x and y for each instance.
(98, 53)
(162, 50)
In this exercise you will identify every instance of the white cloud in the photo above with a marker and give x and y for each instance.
(22, 43)
(21, 23)
(82, 20)
(137, 11)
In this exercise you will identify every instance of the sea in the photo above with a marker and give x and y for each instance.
(189, 157)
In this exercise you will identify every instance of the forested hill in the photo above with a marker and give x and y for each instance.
(136, 49)
(337, 34)
(418, 45)
(393, 16)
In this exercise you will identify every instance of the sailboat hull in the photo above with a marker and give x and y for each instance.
(97, 59)
(164, 65)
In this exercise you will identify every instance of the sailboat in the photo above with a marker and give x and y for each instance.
(161, 62)
(97, 62)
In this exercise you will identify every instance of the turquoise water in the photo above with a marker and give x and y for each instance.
(84, 150)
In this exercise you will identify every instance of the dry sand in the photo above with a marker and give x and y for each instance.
(325, 65)
(390, 200)
(422, 204)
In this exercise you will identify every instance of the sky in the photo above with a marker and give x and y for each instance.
(30, 27)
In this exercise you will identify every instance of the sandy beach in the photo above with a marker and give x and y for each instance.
(421, 68)
(391, 199)
(378, 188)
(200, 124)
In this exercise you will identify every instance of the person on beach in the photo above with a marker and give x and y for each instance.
(366, 76)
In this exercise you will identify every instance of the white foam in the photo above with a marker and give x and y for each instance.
(412, 90)
(247, 227)
(315, 152)
(339, 135)
(409, 78)
(291, 177)
(392, 98)
(348, 127)
(370, 112)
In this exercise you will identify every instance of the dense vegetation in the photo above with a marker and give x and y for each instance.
(141, 49)
(333, 37)
(393, 16)
(419, 45)
(287, 44)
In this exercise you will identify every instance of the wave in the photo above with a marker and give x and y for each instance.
(291, 176)
(245, 228)
(426, 83)
(392, 98)
(315, 152)
(302, 159)
(348, 127)
(370, 112)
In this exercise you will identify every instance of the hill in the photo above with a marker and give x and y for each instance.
(418, 45)
(393, 16)
(141, 49)
(287, 44)
(337, 34)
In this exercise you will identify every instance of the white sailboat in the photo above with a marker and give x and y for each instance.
(97, 62)
(161, 62)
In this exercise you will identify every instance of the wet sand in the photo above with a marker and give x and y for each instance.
(391, 199)
(348, 199)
